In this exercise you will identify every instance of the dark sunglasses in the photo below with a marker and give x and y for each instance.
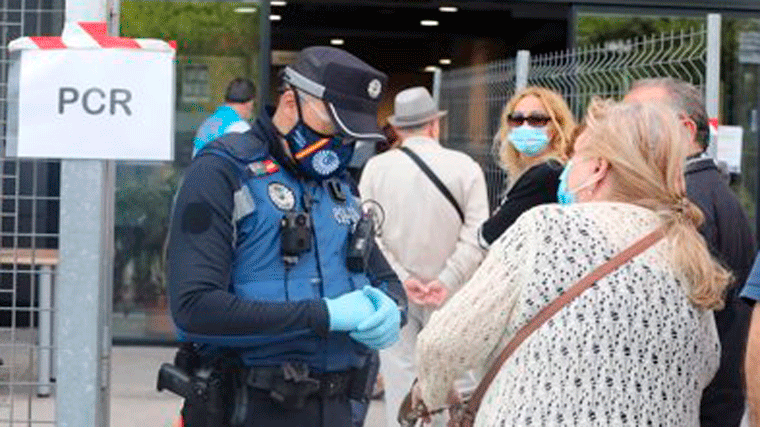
(515, 120)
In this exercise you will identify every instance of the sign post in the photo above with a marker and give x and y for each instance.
(88, 98)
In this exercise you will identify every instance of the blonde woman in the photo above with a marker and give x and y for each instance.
(635, 349)
(533, 143)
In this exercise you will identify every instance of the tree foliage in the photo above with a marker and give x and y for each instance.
(598, 29)
(200, 28)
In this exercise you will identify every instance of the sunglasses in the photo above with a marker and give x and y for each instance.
(515, 120)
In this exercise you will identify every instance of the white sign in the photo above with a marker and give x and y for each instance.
(729, 147)
(95, 104)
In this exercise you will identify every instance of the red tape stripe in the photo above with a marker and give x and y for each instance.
(99, 32)
(48, 42)
(96, 30)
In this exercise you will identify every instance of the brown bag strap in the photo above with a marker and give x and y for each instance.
(547, 312)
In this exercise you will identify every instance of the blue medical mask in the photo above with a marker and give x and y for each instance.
(317, 156)
(529, 140)
(566, 196)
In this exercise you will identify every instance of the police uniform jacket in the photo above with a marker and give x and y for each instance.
(228, 284)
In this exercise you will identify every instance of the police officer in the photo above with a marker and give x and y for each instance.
(257, 252)
(232, 116)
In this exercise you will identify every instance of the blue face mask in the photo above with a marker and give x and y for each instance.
(529, 140)
(564, 196)
(317, 156)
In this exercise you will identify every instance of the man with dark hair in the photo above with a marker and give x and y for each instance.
(259, 271)
(232, 116)
(728, 236)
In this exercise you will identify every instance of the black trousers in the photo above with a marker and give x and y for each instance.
(263, 411)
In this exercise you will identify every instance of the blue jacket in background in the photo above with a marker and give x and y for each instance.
(224, 120)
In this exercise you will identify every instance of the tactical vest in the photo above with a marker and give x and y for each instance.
(259, 272)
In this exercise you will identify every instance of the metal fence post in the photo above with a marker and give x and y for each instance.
(84, 278)
(265, 52)
(437, 81)
(522, 70)
(712, 81)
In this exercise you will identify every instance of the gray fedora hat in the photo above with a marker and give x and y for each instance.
(414, 106)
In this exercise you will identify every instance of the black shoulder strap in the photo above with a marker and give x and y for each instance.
(433, 177)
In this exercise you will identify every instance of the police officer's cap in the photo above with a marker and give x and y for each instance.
(240, 90)
(351, 88)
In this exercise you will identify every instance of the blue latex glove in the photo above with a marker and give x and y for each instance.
(348, 310)
(381, 329)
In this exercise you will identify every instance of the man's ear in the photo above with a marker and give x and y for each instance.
(433, 129)
(288, 99)
(285, 114)
(692, 127)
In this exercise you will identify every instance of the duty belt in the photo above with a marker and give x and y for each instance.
(291, 385)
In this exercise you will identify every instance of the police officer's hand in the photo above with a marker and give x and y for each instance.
(347, 311)
(382, 328)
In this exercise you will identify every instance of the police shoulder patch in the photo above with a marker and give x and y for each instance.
(262, 168)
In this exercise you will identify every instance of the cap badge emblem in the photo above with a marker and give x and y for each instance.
(374, 88)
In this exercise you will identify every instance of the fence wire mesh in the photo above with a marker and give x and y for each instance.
(608, 70)
(28, 246)
(475, 96)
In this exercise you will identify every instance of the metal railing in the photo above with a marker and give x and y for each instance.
(28, 247)
(608, 70)
(474, 98)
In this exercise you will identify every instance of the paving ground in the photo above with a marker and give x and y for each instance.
(134, 399)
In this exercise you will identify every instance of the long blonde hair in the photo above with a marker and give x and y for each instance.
(560, 128)
(645, 145)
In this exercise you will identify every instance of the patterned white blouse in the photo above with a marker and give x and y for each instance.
(632, 350)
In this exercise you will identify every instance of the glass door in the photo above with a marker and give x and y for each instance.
(217, 41)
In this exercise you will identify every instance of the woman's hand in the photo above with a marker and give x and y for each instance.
(454, 399)
(418, 404)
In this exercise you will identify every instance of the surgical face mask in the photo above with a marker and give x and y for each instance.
(566, 196)
(317, 156)
(529, 140)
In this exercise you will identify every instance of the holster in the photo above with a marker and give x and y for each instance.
(363, 379)
(220, 396)
(290, 385)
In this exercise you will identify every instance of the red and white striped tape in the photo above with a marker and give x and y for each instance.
(89, 35)
(713, 122)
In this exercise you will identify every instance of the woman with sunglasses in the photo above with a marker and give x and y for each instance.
(533, 143)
